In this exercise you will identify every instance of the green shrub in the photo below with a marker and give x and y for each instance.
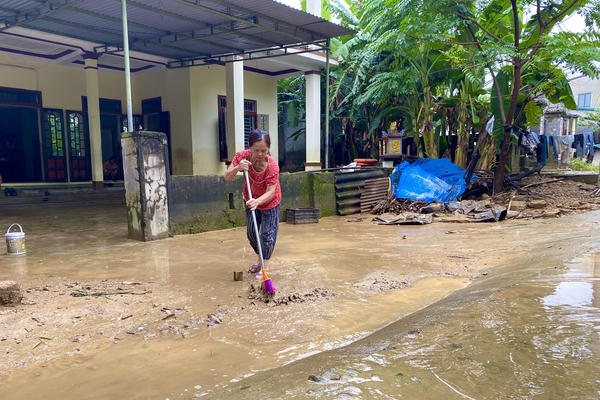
(577, 164)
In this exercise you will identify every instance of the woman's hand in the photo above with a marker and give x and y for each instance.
(252, 204)
(243, 165)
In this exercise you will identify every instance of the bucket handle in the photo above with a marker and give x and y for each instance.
(8, 231)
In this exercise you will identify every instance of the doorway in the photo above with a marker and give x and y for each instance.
(20, 152)
(110, 128)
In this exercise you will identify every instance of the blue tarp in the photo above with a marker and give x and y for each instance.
(428, 179)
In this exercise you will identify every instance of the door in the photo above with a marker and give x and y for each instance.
(110, 129)
(53, 141)
(20, 155)
(79, 146)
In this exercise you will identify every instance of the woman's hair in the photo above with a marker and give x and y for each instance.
(257, 135)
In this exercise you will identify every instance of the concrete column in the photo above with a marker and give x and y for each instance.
(146, 174)
(313, 120)
(234, 73)
(313, 7)
(93, 111)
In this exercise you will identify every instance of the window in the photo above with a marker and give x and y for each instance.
(584, 100)
(77, 143)
(53, 133)
(107, 106)
(250, 122)
(20, 97)
(263, 122)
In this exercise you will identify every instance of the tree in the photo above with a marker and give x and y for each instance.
(523, 59)
(513, 50)
(592, 120)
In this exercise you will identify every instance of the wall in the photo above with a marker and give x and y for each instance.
(189, 94)
(207, 83)
(173, 86)
(586, 85)
(202, 203)
(263, 89)
(61, 86)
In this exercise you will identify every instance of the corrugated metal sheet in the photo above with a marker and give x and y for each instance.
(374, 191)
(349, 186)
(200, 29)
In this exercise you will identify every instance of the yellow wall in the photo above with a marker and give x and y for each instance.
(207, 83)
(174, 87)
(61, 86)
(189, 94)
(263, 89)
(587, 85)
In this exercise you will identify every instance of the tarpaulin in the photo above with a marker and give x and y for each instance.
(428, 179)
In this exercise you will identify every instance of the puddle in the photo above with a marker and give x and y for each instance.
(212, 360)
(537, 339)
(525, 331)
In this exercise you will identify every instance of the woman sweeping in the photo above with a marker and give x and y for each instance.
(263, 172)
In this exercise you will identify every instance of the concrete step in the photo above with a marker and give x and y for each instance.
(34, 198)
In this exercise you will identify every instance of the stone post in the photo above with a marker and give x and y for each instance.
(93, 110)
(313, 120)
(234, 90)
(146, 175)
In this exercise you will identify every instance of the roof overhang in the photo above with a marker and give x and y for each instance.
(269, 36)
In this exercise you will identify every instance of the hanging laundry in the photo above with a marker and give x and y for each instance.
(564, 148)
(588, 145)
(530, 141)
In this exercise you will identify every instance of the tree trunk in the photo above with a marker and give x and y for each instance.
(508, 126)
(499, 175)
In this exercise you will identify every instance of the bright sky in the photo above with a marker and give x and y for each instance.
(574, 23)
(291, 3)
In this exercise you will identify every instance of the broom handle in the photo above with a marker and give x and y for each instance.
(262, 261)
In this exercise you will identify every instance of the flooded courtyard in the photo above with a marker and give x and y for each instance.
(364, 311)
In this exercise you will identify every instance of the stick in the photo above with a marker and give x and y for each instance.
(541, 183)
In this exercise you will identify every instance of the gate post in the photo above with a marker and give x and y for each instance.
(146, 175)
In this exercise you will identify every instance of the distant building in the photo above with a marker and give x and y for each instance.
(586, 92)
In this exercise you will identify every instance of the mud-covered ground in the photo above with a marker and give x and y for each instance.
(88, 290)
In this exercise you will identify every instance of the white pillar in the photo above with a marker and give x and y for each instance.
(234, 72)
(313, 120)
(93, 112)
(313, 7)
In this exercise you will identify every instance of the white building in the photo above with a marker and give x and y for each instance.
(204, 73)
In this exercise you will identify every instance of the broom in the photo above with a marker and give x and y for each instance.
(267, 283)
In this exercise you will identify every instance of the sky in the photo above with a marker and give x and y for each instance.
(574, 23)
(291, 3)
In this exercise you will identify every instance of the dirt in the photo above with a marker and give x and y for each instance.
(64, 317)
(82, 317)
(539, 196)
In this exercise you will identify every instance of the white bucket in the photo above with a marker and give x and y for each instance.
(15, 242)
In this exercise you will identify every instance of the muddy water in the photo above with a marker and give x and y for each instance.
(420, 284)
(204, 364)
(335, 254)
(537, 339)
(525, 335)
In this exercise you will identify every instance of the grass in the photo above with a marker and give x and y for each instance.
(577, 164)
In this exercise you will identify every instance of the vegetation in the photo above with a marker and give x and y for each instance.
(577, 164)
(443, 69)
(592, 120)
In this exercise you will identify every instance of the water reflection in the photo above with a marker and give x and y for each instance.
(536, 339)
(574, 294)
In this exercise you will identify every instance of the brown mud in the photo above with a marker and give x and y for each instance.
(166, 318)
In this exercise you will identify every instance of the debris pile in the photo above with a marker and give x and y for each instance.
(10, 293)
(256, 292)
(525, 196)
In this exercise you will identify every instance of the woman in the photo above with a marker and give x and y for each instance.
(263, 172)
